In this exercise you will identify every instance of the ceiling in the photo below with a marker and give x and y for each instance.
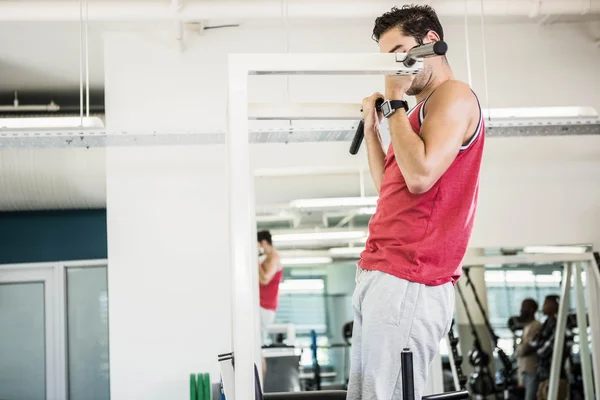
(49, 62)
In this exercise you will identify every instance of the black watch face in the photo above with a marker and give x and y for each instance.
(386, 108)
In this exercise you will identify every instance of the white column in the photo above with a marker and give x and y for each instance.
(593, 291)
(583, 334)
(168, 273)
(243, 251)
(559, 337)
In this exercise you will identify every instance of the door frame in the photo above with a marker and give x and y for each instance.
(54, 276)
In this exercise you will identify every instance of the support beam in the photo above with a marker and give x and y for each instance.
(559, 336)
(586, 368)
(592, 270)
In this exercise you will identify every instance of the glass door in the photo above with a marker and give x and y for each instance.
(27, 359)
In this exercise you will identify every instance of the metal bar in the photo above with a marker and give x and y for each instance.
(326, 64)
(452, 364)
(593, 290)
(241, 220)
(408, 382)
(87, 63)
(81, 62)
(526, 259)
(304, 111)
(559, 335)
(584, 349)
(460, 395)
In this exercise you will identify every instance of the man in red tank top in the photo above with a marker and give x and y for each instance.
(270, 274)
(428, 183)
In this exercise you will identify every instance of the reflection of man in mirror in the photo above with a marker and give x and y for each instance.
(270, 273)
(526, 355)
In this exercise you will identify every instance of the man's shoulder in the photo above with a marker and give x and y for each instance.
(535, 323)
(451, 93)
(453, 87)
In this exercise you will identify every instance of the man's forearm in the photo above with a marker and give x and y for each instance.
(376, 157)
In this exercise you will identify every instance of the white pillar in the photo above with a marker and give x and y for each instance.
(168, 274)
(593, 292)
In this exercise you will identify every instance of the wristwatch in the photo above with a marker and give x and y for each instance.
(390, 106)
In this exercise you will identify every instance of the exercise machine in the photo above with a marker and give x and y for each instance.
(456, 359)
(480, 381)
(508, 369)
(242, 224)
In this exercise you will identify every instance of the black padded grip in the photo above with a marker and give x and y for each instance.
(408, 382)
(358, 138)
(360, 130)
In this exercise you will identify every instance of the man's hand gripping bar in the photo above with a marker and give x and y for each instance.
(424, 51)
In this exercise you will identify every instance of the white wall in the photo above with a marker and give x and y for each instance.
(167, 211)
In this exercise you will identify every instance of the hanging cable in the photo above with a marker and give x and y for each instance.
(286, 48)
(467, 45)
(286, 45)
(81, 62)
(87, 64)
(485, 74)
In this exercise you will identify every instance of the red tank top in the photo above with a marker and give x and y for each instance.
(269, 293)
(423, 237)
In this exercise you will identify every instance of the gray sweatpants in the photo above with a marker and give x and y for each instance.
(391, 314)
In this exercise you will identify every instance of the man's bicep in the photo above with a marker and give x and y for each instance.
(447, 119)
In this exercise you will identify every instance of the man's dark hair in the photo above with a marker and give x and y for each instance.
(412, 20)
(554, 299)
(264, 235)
(532, 303)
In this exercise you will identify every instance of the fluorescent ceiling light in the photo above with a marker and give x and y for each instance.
(335, 202)
(346, 251)
(275, 217)
(555, 277)
(306, 260)
(340, 235)
(555, 249)
(300, 285)
(51, 123)
(307, 271)
(540, 112)
(367, 210)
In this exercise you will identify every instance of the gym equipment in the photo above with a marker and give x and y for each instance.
(480, 381)
(199, 387)
(508, 369)
(316, 366)
(424, 51)
(455, 359)
(244, 312)
(408, 384)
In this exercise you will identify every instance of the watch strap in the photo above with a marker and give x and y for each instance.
(397, 104)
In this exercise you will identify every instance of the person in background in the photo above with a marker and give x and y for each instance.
(270, 274)
(526, 355)
(543, 345)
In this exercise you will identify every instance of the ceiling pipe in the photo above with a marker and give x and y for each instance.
(297, 9)
(17, 107)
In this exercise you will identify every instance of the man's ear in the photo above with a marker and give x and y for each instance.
(431, 36)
